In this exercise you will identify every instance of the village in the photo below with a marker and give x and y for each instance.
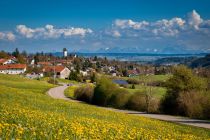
(36, 66)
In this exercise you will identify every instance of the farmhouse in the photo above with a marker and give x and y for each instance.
(132, 73)
(13, 68)
(60, 71)
(11, 60)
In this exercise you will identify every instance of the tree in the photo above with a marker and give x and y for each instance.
(73, 75)
(21, 59)
(125, 72)
(133, 86)
(182, 81)
(64, 49)
(95, 58)
(16, 52)
(36, 59)
(3, 54)
(93, 77)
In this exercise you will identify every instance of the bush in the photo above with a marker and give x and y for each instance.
(119, 98)
(74, 75)
(154, 106)
(103, 91)
(84, 93)
(206, 106)
(137, 102)
(195, 104)
(156, 83)
(133, 81)
(133, 86)
(123, 85)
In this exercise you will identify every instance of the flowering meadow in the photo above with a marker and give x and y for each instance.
(27, 112)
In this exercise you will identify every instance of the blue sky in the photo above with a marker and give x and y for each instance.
(106, 26)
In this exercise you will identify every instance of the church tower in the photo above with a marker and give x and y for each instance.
(65, 52)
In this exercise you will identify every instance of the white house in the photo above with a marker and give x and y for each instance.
(60, 71)
(13, 68)
(8, 61)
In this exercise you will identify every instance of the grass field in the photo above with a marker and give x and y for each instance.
(158, 92)
(147, 78)
(26, 112)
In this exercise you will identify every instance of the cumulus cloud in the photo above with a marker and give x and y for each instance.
(178, 34)
(123, 24)
(7, 36)
(194, 19)
(162, 28)
(116, 34)
(50, 32)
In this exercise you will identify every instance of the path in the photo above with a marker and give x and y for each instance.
(58, 93)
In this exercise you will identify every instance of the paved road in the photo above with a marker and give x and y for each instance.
(58, 93)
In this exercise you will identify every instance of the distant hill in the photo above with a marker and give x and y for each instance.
(201, 62)
(175, 60)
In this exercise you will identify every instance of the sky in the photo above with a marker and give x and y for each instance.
(121, 26)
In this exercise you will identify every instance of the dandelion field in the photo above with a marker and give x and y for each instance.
(27, 112)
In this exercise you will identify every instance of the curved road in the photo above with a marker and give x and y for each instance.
(58, 93)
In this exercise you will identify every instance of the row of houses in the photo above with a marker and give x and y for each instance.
(11, 66)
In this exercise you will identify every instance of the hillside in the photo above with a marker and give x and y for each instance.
(26, 112)
(201, 62)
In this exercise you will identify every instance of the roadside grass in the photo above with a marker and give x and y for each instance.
(66, 81)
(27, 112)
(69, 92)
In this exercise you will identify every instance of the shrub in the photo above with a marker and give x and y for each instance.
(195, 104)
(103, 91)
(123, 85)
(206, 106)
(119, 98)
(133, 86)
(74, 75)
(137, 102)
(84, 93)
(133, 81)
(154, 106)
(156, 83)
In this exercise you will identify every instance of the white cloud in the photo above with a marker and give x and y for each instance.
(10, 36)
(50, 32)
(7, 36)
(162, 27)
(116, 34)
(130, 24)
(194, 19)
(189, 32)
(75, 31)
(2, 35)
(192, 24)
